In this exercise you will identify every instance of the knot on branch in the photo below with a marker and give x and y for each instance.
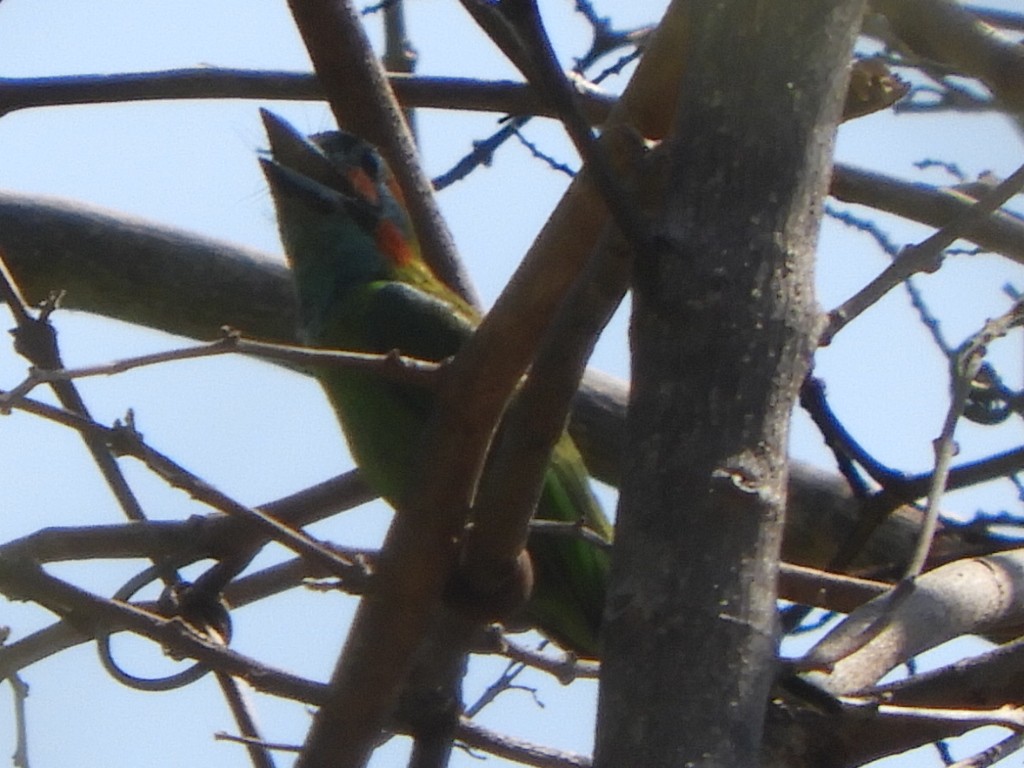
(493, 594)
(205, 612)
(35, 339)
(123, 438)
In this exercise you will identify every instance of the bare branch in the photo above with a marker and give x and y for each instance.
(22, 580)
(418, 556)
(362, 101)
(478, 737)
(925, 256)
(389, 367)
(966, 596)
(946, 32)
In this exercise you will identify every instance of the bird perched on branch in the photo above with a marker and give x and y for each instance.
(363, 286)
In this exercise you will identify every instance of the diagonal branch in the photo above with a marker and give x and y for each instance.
(944, 31)
(925, 256)
(962, 597)
(36, 339)
(357, 89)
(418, 553)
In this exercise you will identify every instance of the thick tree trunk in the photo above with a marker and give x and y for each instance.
(723, 327)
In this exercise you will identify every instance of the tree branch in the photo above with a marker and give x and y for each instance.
(962, 597)
(944, 31)
(357, 90)
(418, 553)
(722, 333)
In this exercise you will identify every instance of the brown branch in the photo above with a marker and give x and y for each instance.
(936, 206)
(477, 737)
(418, 553)
(565, 668)
(388, 367)
(1007, 717)
(1001, 232)
(451, 93)
(193, 539)
(23, 580)
(195, 83)
(362, 101)
(944, 31)
(874, 91)
(987, 679)
(830, 591)
(127, 441)
(535, 420)
(137, 271)
(399, 53)
(722, 332)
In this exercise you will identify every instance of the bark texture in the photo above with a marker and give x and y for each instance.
(722, 332)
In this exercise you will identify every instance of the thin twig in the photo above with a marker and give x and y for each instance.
(482, 154)
(516, 27)
(966, 365)
(19, 688)
(503, 683)
(390, 366)
(565, 667)
(258, 751)
(276, 746)
(477, 737)
(1012, 743)
(843, 445)
(36, 340)
(128, 442)
(870, 228)
(923, 257)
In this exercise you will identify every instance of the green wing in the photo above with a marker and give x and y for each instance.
(384, 424)
(570, 575)
(384, 421)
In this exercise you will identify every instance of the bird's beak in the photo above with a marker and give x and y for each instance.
(295, 166)
(299, 170)
(291, 150)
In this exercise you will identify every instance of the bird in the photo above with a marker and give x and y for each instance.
(363, 286)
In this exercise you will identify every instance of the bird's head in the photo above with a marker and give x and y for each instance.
(340, 213)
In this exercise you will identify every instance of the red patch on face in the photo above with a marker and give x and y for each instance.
(396, 191)
(392, 244)
(363, 185)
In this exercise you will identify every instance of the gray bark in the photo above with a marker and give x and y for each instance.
(722, 331)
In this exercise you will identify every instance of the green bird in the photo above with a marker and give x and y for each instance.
(363, 286)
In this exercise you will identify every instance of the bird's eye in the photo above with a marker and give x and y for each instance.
(370, 164)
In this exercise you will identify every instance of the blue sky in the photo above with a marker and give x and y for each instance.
(259, 433)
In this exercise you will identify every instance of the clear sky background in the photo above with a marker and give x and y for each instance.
(259, 433)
